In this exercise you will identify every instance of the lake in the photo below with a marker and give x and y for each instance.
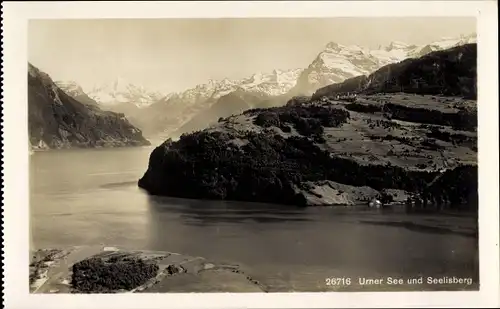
(88, 197)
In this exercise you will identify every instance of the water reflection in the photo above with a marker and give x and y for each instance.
(91, 197)
(119, 185)
(420, 227)
(288, 241)
(209, 212)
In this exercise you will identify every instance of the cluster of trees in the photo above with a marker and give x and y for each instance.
(455, 138)
(355, 84)
(205, 165)
(382, 123)
(458, 187)
(268, 168)
(449, 72)
(402, 139)
(363, 108)
(95, 275)
(308, 121)
(39, 264)
(430, 143)
(463, 120)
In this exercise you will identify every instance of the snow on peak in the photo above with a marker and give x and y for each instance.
(275, 83)
(70, 87)
(256, 78)
(334, 64)
(338, 62)
(121, 91)
(396, 45)
(226, 81)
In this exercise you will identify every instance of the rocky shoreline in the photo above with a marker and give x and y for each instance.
(324, 153)
(407, 134)
(109, 270)
(58, 121)
(101, 269)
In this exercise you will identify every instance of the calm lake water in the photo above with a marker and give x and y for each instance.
(85, 197)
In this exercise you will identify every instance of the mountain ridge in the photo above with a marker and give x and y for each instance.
(448, 72)
(404, 147)
(57, 120)
(337, 62)
(334, 64)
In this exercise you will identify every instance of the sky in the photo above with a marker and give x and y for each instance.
(175, 54)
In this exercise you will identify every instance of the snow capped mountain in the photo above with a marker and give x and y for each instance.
(70, 87)
(177, 109)
(153, 111)
(73, 89)
(334, 64)
(198, 93)
(275, 83)
(337, 62)
(444, 43)
(57, 120)
(120, 91)
(396, 45)
(224, 87)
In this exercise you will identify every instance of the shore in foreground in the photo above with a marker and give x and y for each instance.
(101, 269)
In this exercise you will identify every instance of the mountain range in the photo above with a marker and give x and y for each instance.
(337, 63)
(66, 119)
(408, 136)
(450, 72)
(120, 91)
(181, 112)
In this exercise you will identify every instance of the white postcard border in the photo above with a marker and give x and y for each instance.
(15, 151)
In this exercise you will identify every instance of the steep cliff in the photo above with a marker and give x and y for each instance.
(449, 72)
(325, 153)
(330, 150)
(57, 120)
(337, 62)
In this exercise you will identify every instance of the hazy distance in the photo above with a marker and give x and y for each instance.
(175, 54)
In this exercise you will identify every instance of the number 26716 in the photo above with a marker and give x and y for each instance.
(337, 281)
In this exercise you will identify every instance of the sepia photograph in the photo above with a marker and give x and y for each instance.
(226, 155)
(253, 154)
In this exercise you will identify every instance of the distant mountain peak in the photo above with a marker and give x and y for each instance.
(397, 45)
(334, 64)
(226, 81)
(119, 90)
(57, 119)
(275, 83)
(337, 62)
(70, 87)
